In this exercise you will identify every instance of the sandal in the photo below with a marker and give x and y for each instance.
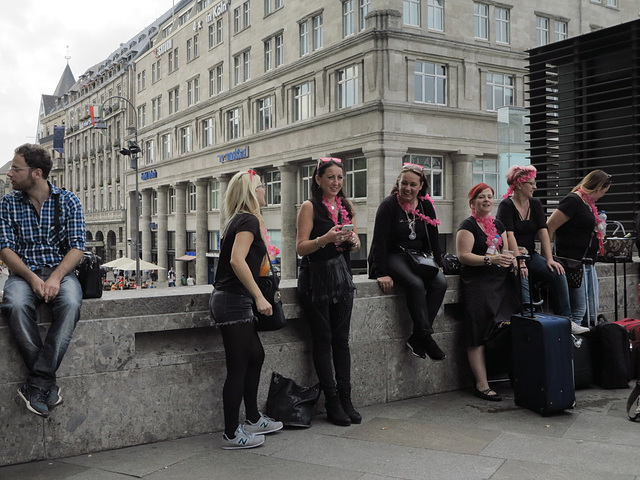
(487, 395)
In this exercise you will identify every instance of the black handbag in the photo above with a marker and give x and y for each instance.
(290, 403)
(421, 263)
(90, 276)
(269, 286)
(573, 269)
(451, 264)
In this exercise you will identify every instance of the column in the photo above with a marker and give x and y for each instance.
(224, 184)
(462, 183)
(145, 220)
(132, 235)
(163, 228)
(288, 215)
(181, 227)
(383, 168)
(202, 231)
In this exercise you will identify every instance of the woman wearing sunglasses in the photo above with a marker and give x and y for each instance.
(406, 219)
(326, 235)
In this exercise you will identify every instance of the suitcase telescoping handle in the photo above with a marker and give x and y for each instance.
(519, 258)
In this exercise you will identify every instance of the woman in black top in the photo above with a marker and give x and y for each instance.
(242, 251)
(575, 224)
(326, 235)
(407, 219)
(486, 288)
(524, 219)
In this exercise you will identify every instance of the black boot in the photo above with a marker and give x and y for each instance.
(335, 412)
(345, 400)
(432, 349)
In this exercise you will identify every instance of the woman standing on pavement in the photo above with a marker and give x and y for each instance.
(242, 251)
(326, 236)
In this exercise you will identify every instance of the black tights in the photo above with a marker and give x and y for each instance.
(244, 357)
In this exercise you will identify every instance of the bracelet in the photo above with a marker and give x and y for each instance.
(487, 260)
(318, 243)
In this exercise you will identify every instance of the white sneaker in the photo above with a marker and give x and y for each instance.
(578, 329)
(242, 439)
(262, 426)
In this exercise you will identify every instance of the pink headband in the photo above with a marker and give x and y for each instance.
(531, 175)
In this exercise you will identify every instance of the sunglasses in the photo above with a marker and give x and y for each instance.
(413, 166)
(328, 159)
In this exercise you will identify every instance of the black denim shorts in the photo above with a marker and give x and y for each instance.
(227, 308)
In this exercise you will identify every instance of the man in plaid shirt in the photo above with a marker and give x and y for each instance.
(41, 252)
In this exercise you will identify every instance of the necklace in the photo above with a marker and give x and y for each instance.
(412, 225)
(409, 209)
(489, 228)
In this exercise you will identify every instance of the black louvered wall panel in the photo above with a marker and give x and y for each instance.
(584, 114)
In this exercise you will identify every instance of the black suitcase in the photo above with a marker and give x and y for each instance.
(611, 355)
(542, 363)
(582, 366)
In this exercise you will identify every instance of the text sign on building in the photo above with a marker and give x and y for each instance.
(237, 154)
(163, 48)
(218, 10)
(148, 175)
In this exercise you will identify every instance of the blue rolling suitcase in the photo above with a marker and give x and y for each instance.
(542, 363)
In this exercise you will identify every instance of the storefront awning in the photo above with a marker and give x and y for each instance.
(186, 258)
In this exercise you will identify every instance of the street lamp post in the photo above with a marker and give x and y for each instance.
(133, 151)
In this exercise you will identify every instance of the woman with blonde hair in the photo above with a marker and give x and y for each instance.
(575, 224)
(242, 251)
(523, 217)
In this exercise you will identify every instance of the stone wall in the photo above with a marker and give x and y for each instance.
(145, 366)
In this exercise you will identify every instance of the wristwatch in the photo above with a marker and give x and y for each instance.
(318, 243)
(487, 260)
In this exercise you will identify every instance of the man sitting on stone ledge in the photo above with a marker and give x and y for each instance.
(42, 238)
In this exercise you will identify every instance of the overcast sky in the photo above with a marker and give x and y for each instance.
(34, 35)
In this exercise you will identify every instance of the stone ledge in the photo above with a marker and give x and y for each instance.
(148, 365)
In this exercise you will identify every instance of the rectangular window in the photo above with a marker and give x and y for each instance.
(303, 29)
(430, 83)
(212, 36)
(156, 109)
(193, 91)
(214, 241)
(148, 152)
(500, 90)
(347, 18)
(207, 132)
(433, 170)
(219, 32)
(156, 73)
(237, 20)
(233, 124)
(542, 31)
(306, 178)
(185, 139)
(246, 64)
(215, 80)
(435, 14)
(274, 185)
(302, 102)
(173, 60)
(142, 80)
(355, 181)
(348, 87)
(174, 102)
(219, 79)
(268, 54)
(192, 203)
(189, 50)
(214, 195)
(560, 30)
(196, 47)
(612, 3)
(318, 35)
(237, 69)
(502, 25)
(365, 8)
(171, 197)
(486, 171)
(265, 114)
(142, 116)
(279, 50)
(411, 12)
(267, 7)
(166, 146)
(481, 21)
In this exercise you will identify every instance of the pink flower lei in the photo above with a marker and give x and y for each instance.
(272, 250)
(344, 215)
(489, 227)
(409, 209)
(520, 180)
(587, 198)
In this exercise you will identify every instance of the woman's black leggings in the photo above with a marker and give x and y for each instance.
(424, 297)
(244, 357)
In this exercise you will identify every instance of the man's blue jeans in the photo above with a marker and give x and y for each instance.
(19, 309)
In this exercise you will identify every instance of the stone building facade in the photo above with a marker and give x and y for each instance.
(273, 85)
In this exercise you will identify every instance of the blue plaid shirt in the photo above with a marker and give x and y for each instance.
(34, 237)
